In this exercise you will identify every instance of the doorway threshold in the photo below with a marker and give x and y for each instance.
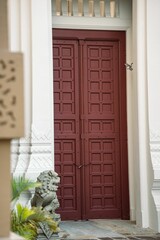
(101, 229)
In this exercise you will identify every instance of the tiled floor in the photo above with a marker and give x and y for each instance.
(105, 230)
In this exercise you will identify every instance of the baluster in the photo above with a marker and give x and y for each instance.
(58, 8)
(102, 8)
(91, 8)
(112, 8)
(80, 8)
(69, 8)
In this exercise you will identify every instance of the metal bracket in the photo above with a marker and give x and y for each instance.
(129, 66)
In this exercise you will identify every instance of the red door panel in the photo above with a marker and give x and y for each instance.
(90, 123)
(101, 132)
(66, 125)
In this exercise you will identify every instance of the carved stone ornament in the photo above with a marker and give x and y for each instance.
(46, 230)
(11, 95)
(45, 196)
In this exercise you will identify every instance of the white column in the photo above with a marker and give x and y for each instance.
(5, 177)
(31, 33)
(42, 88)
(130, 123)
(141, 110)
(5, 188)
(20, 40)
(153, 50)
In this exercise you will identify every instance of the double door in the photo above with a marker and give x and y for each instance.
(90, 125)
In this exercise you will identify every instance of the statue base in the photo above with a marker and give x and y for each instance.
(43, 237)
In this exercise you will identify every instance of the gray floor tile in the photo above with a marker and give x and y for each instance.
(105, 230)
(86, 229)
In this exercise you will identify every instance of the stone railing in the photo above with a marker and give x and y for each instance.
(86, 8)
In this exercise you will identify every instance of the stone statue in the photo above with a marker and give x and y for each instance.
(45, 196)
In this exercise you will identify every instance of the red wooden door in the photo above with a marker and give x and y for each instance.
(66, 125)
(90, 124)
(101, 130)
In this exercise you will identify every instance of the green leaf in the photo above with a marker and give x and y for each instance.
(25, 221)
(21, 184)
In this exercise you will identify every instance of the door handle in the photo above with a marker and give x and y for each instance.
(82, 165)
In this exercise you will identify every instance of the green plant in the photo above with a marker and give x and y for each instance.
(21, 184)
(25, 221)
(20, 223)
